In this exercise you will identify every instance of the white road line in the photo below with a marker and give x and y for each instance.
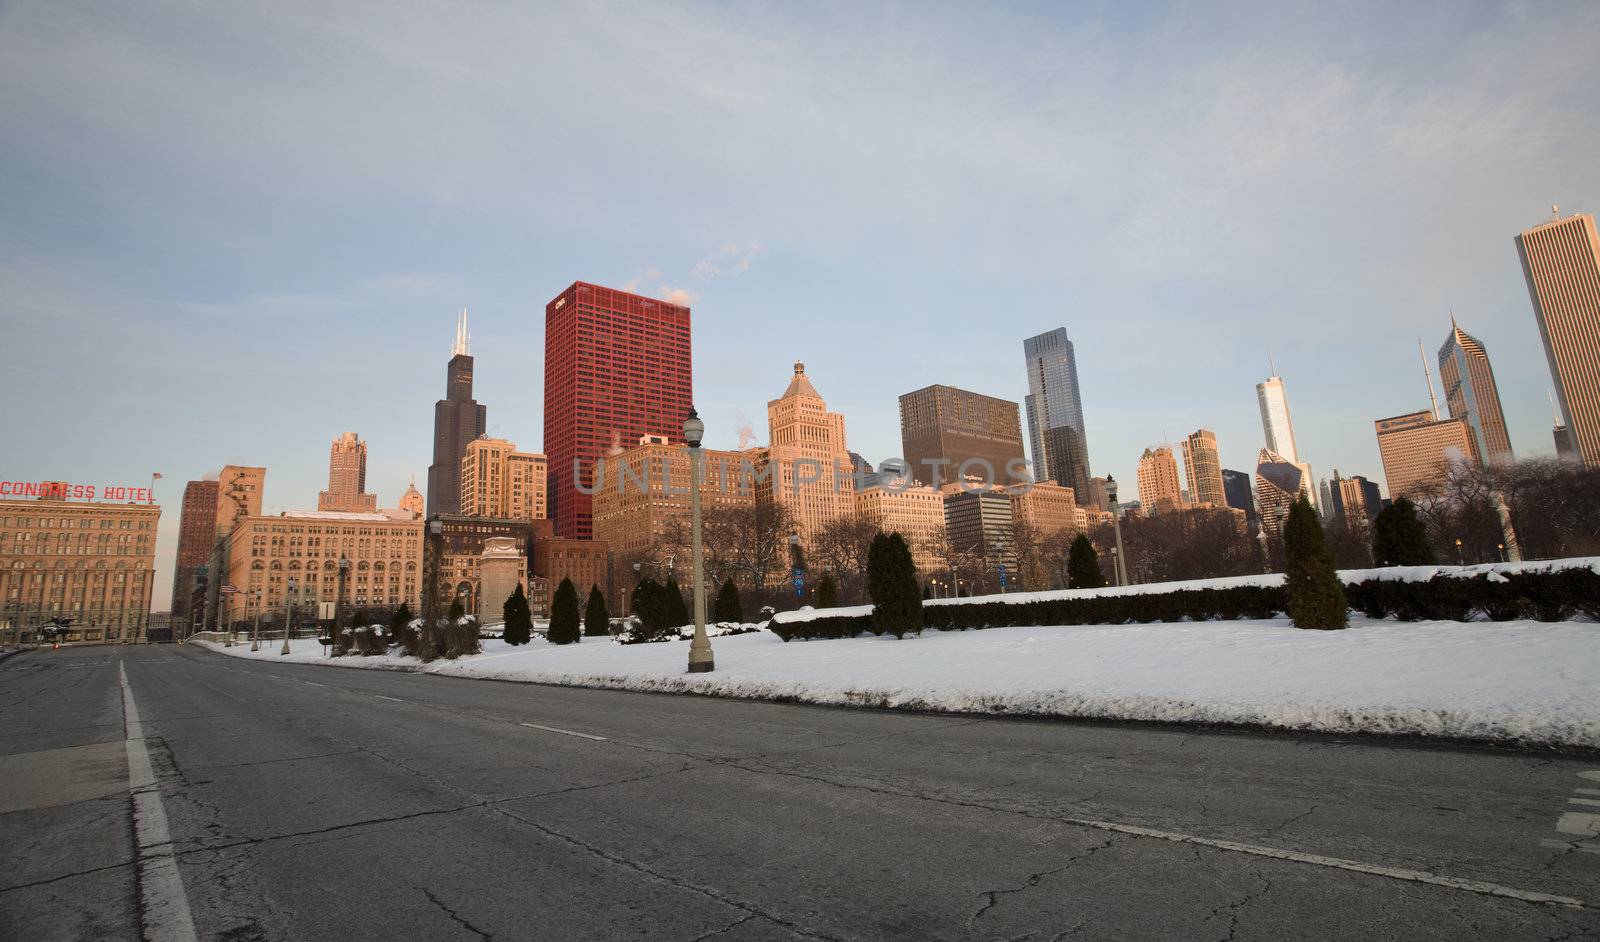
(312, 683)
(1587, 791)
(564, 732)
(1571, 845)
(1584, 801)
(382, 697)
(165, 912)
(1337, 863)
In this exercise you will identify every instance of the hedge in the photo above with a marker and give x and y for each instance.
(1541, 596)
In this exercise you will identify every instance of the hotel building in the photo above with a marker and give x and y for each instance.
(266, 553)
(91, 562)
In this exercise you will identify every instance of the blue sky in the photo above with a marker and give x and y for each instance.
(230, 232)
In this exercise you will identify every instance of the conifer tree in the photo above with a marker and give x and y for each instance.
(892, 584)
(1398, 538)
(675, 612)
(1316, 597)
(827, 592)
(729, 607)
(518, 617)
(1083, 566)
(564, 614)
(596, 620)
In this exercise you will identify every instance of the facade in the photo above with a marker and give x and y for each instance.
(1355, 498)
(411, 501)
(586, 562)
(1055, 411)
(1203, 467)
(1279, 483)
(1102, 493)
(497, 480)
(943, 429)
(1159, 488)
(1471, 394)
(977, 521)
(1237, 492)
(916, 512)
(1417, 449)
(807, 466)
(347, 477)
(265, 553)
(91, 562)
(239, 492)
(1047, 507)
(1561, 262)
(617, 366)
(644, 498)
(457, 420)
(1276, 423)
(197, 533)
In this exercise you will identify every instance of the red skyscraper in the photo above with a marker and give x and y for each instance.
(616, 366)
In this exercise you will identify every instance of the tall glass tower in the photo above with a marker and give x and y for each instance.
(1055, 411)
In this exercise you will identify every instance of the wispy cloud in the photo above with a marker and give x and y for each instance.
(731, 259)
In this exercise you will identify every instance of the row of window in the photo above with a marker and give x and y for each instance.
(84, 523)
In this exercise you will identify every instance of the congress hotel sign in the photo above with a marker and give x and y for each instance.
(64, 490)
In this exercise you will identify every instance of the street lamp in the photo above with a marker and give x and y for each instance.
(288, 613)
(255, 633)
(1502, 548)
(1000, 558)
(700, 660)
(338, 606)
(1116, 566)
(798, 573)
(1460, 559)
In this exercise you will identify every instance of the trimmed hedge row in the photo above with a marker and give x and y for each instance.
(1544, 596)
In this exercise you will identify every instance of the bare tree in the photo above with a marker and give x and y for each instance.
(749, 543)
(841, 548)
(1187, 544)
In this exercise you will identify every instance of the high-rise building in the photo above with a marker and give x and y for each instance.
(807, 466)
(617, 366)
(1417, 449)
(1276, 423)
(92, 562)
(1237, 492)
(1561, 262)
(644, 499)
(1102, 494)
(1471, 394)
(977, 521)
(1355, 499)
(945, 432)
(411, 501)
(914, 511)
(1279, 483)
(497, 480)
(457, 420)
(1203, 468)
(1159, 488)
(197, 533)
(1047, 507)
(347, 477)
(1055, 411)
(239, 492)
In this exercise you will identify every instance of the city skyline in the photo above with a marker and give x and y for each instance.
(781, 261)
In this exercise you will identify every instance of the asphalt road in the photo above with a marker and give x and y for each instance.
(307, 803)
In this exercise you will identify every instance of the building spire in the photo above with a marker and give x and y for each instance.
(462, 337)
(1433, 402)
(1555, 414)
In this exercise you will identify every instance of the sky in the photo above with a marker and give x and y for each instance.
(230, 232)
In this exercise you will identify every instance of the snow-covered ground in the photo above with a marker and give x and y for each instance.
(1530, 682)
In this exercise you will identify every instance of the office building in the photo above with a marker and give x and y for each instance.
(1279, 483)
(197, 533)
(946, 432)
(92, 562)
(1102, 494)
(585, 562)
(457, 420)
(347, 477)
(1159, 489)
(978, 522)
(1046, 507)
(239, 493)
(497, 480)
(266, 552)
(1471, 394)
(1276, 423)
(1237, 492)
(1561, 262)
(1055, 411)
(412, 501)
(617, 366)
(806, 466)
(914, 511)
(644, 499)
(1417, 450)
(1203, 468)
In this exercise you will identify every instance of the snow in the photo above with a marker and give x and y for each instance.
(1527, 682)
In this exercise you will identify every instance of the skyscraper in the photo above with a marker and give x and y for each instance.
(1159, 489)
(1471, 394)
(1279, 483)
(807, 465)
(457, 420)
(616, 366)
(1561, 262)
(1276, 423)
(1203, 468)
(1417, 449)
(197, 533)
(499, 481)
(1055, 411)
(411, 501)
(1239, 494)
(347, 477)
(942, 427)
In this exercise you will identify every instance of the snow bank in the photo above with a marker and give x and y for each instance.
(1524, 682)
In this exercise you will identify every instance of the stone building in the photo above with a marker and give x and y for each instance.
(265, 553)
(499, 481)
(807, 466)
(643, 499)
(89, 561)
(1159, 487)
(347, 477)
(914, 511)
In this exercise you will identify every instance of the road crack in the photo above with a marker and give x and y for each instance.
(454, 916)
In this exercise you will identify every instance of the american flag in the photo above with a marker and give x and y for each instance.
(228, 588)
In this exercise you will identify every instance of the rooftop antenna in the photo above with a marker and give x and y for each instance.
(1555, 414)
(1555, 211)
(1433, 402)
(1272, 367)
(462, 337)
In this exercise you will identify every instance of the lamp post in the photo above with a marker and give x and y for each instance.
(798, 573)
(338, 607)
(1000, 558)
(288, 613)
(700, 660)
(430, 587)
(255, 633)
(1461, 560)
(1502, 549)
(1116, 566)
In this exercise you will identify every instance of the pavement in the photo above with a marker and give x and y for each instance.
(172, 793)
